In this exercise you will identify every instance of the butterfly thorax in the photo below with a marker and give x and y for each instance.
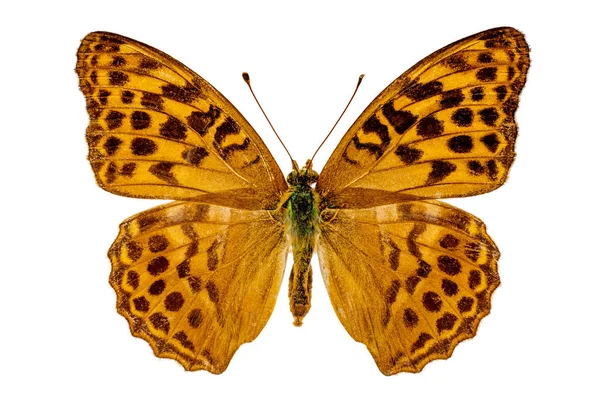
(302, 213)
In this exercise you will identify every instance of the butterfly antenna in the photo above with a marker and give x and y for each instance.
(246, 77)
(360, 78)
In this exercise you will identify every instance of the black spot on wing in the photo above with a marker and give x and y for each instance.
(487, 74)
(149, 64)
(127, 97)
(114, 119)
(152, 101)
(485, 58)
(475, 167)
(457, 62)
(463, 117)
(140, 120)
(492, 169)
(228, 127)
(173, 129)
(117, 78)
(451, 98)
(418, 91)
(401, 120)
(201, 121)
(408, 155)
(501, 92)
(162, 171)
(103, 96)
(460, 144)
(185, 94)
(430, 127)
(112, 145)
(143, 146)
(489, 116)
(118, 61)
(439, 171)
(195, 155)
(477, 93)
(491, 142)
(373, 125)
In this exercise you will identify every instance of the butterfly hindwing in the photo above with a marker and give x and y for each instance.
(158, 130)
(445, 128)
(408, 280)
(196, 280)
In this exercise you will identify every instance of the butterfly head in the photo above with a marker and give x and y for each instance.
(304, 176)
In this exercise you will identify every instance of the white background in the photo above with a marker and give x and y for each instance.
(61, 336)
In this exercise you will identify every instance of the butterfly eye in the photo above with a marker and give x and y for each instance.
(293, 178)
(312, 176)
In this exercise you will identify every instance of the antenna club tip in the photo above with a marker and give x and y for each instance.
(246, 77)
(361, 76)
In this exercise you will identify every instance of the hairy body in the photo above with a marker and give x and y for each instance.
(302, 222)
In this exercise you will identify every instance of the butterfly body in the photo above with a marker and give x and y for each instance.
(302, 211)
(407, 274)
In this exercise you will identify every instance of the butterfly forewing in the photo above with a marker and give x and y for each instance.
(409, 280)
(445, 128)
(158, 130)
(197, 281)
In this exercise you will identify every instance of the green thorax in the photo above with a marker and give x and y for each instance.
(303, 203)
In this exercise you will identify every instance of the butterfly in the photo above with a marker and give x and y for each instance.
(408, 275)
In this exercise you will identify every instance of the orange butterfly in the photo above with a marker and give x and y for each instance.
(408, 276)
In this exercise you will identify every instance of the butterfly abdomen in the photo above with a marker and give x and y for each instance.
(302, 213)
